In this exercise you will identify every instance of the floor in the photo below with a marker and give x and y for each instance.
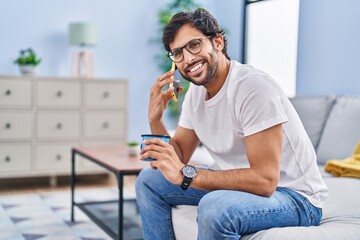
(30, 208)
(46, 184)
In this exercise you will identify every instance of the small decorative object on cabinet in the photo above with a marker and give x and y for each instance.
(83, 36)
(41, 119)
(27, 61)
(134, 148)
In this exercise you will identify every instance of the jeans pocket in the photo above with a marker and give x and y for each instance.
(313, 214)
(312, 219)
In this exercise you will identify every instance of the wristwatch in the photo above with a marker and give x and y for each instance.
(189, 173)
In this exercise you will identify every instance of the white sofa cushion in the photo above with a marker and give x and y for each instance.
(313, 112)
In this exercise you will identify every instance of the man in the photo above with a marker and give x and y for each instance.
(266, 174)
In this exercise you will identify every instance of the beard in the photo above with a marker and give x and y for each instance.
(212, 66)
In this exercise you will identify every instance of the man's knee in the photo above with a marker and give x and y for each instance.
(149, 178)
(146, 177)
(216, 217)
(143, 176)
(144, 185)
(211, 209)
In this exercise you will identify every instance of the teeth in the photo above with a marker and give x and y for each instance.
(196, 67)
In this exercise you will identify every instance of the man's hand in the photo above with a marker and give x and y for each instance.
(159, 99)
(167, 161)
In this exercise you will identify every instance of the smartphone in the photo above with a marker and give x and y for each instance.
(177, 86)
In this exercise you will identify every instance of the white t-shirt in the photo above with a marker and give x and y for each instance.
(249, 102)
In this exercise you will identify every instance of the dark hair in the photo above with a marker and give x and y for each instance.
(201, 19)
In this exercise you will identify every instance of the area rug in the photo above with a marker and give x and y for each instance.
(46, 216)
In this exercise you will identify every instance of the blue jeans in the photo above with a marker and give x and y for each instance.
(222, 214)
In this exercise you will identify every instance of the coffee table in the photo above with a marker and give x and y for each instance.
(115, 159)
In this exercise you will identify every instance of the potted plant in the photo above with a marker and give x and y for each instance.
(134, 148)
(27, 61)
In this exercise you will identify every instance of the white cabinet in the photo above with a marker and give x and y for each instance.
(105, 95)
(15, 93)
(51, 92)
(41, 119)
(15, 158)
(15, 125)
(101, 125)
(53, 156)
(53, 124)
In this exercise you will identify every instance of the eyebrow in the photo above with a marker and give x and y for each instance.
(184, 45)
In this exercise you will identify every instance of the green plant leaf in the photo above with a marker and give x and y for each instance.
(27, 56)
(132, 143)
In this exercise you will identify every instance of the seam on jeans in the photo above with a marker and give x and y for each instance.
(170, 226)
(310, 217)
(291, 208)
(256, 213)
(303, 206)
(181, 196)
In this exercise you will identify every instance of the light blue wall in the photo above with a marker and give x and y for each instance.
(329, 38)
(123, 51)
(329, 47)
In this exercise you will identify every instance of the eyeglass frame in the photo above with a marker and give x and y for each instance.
(169, 54)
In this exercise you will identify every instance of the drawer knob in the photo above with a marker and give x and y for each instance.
(59, 94)
(8, 126)
(8, 92)
(106, 125)
(106, 94)
(58, 157)
(59, 126)
(7, 159)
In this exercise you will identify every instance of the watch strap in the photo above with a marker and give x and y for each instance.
(186, 183)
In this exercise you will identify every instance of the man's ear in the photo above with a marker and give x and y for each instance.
(219, 42)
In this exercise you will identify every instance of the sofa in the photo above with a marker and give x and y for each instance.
(333, 125)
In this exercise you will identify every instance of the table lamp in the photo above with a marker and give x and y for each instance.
(82, 35)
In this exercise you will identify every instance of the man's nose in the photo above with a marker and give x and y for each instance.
(188, 57)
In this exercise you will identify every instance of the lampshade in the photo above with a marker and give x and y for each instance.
(84, 34)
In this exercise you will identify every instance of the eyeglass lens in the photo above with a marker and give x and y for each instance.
(193, 47)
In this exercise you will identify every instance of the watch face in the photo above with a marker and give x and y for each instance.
(189, 171)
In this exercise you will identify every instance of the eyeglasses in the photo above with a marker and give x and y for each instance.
(193, 46)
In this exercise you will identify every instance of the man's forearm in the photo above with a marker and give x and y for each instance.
(158, 127)
(246, 179)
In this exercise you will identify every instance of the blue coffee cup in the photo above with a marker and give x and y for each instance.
(144, 137)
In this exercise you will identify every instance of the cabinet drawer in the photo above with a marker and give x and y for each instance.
(52, 94)
(15, 158)
(104, 125)
(58, 125)
(15, 125)
(15, 93)
(54, 156)
(99, 94)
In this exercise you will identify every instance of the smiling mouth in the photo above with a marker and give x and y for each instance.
(196, 67)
